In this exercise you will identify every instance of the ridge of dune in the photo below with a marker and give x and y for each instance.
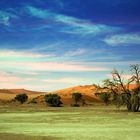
(88, 92)
(19, 91)
(8, 94)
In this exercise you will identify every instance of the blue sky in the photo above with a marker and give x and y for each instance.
(53, 44)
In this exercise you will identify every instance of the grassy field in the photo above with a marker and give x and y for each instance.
(68, 123)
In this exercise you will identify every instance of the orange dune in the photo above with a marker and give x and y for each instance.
(88, 92)
(132, 86)
(8, 94)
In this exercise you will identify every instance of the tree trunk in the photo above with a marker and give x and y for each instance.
(135, 103)
(137, 109)
(134, 107)
(129, 107)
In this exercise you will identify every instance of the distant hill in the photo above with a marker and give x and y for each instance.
(88, 92)
(8, 94)
(132, 86)
(19, 91)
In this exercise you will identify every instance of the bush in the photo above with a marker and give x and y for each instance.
(12, 101)
(77, 97)
(33, 101)
(53, 100)
(104, 96)
(75, 105)
(21, 98)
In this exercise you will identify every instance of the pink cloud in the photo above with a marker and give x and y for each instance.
(12, 53)
(51, 66)
(10, 78)
(67, 80)
(124, 76)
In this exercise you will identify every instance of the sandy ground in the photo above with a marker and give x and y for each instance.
(8, 96)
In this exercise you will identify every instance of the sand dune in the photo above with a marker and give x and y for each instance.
(88, 92)
(8, 94)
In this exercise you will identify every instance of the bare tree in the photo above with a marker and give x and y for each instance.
(136, 74)
(120, 91)
(123, 90)
(129, 97)
(136, 92)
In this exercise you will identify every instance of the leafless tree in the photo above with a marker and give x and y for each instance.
(119, 88)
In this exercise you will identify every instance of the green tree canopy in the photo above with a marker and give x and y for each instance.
(76, 96)
(53, 100)
(21, 98)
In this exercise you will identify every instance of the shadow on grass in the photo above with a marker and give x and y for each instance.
(9, 136)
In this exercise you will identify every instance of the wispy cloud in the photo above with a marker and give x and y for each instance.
(123, 39)
(69, 24)
(21, 54)
(50, 66)
(5, 17)
(83, 27)
(9, 80)
(76, 52)
(60, 3)
(70, 80)
(123, 76)
(39, 13)
(12, 78)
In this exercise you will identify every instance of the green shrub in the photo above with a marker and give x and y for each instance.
(33, 101)
(104, 96)
(21, 98)
(53, 100)
(76, 96)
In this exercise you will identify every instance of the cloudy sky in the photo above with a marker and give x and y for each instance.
(52, 44)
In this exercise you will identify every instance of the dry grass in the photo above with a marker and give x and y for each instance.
(7, 136)
(68, 123)
(8, 96)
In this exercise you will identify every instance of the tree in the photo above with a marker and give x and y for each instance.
(135, 70)
(76, 96)
(21, 98)
(104, 96)
(119, 89)
(129, 97)
(53, 100)
(104, 92)
(123, 95)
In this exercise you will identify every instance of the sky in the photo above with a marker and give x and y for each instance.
(47, 45)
